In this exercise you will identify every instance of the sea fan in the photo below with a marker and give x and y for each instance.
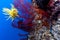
(26, 13)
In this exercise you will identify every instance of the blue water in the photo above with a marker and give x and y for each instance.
(7, 32)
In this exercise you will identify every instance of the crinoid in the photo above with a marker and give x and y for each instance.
(11, 13)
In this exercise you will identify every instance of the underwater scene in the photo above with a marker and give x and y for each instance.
(30, 20)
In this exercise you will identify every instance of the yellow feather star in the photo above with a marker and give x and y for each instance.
(12, 13)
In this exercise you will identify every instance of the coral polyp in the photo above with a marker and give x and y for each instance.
(12, 13)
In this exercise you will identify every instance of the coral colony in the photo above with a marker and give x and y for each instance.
(40, 18)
